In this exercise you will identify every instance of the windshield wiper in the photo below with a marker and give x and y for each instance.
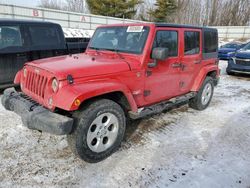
(99, 49)
(108, 49)
(96, 49)
(116, 51)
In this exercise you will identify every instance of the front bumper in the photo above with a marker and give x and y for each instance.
(35, 116)
(233, 67)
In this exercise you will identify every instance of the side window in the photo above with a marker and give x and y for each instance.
(192, 42)
(167, 39)
(44, 35)
(10, 36)
(210, 41)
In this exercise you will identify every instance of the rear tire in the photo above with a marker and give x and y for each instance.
(204, 95)
(98, 130)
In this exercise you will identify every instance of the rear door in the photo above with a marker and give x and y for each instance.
(12, 51)
(162, 81)
(191, 58)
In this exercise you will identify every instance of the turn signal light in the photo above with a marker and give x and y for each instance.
(77, 102)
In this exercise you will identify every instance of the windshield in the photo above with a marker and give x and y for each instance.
(247, 47)
(230, 46)
(129, 39)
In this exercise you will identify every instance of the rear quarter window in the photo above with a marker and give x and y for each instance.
(210, 43)
(45, 36)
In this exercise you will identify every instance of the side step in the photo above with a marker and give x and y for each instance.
(159, 107)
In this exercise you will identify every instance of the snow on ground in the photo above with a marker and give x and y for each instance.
(180, 148)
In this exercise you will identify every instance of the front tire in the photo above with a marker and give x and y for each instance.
(98, 130)
(204, 95)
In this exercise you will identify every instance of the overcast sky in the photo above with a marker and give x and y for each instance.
(30, 3)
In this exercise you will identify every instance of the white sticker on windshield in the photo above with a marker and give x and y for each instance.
(135, 29)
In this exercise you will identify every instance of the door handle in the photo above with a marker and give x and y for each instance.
(197, 62)
(177, 65)
(21, 55)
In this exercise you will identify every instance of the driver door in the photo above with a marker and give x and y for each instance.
(162, 82)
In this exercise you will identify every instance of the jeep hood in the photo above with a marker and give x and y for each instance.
(81, 65)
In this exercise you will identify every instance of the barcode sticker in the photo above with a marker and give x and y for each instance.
(135, 29)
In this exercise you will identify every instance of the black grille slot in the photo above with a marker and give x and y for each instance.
(242, 62)
(36, 83)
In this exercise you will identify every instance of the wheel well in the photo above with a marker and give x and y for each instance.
(213, 74)
(117, 97)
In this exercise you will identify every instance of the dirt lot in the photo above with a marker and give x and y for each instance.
(181, 148)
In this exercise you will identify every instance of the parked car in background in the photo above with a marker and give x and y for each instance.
(228, 50)
(244, 44)
(22, 41)
(241, 62)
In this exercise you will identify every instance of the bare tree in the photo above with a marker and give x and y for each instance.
(213, 12)
(188, 12)
(52, 4)
(76, 5)
(69, 5)
(143, 10)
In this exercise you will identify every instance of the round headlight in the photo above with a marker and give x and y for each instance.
(55, 85)
(24, 72)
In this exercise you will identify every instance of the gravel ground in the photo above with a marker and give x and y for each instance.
(180, 148)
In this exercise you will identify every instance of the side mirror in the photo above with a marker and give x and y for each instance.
(158, 54)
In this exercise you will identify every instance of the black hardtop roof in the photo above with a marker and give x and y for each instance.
(182, 26)
(20, 21)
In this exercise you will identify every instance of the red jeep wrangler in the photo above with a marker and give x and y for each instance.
(128, 71)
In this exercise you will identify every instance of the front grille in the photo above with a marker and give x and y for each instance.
(36, 83)
(243, 62)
